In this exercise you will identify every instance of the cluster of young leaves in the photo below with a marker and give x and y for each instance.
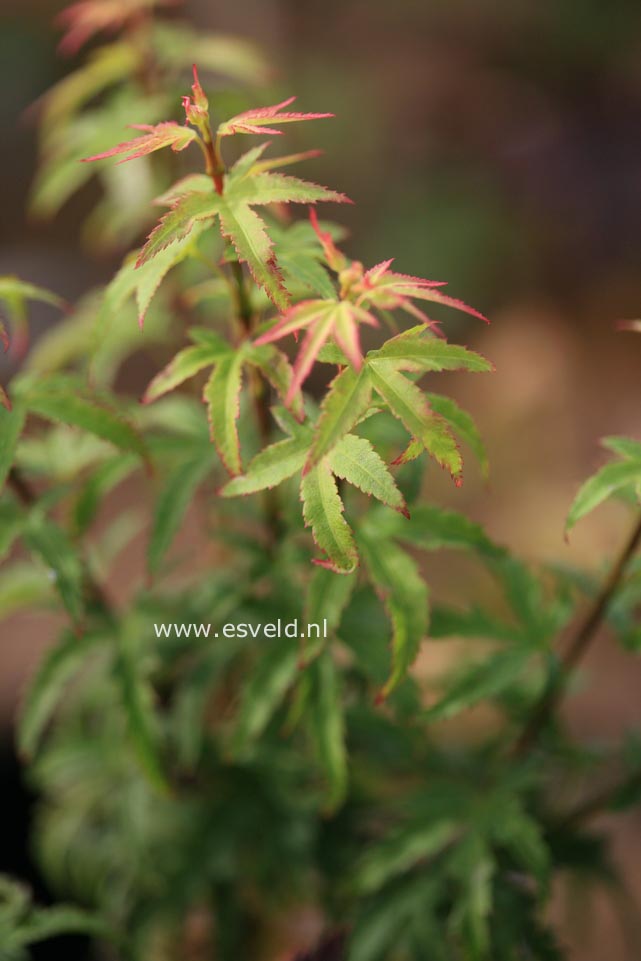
(136, 74)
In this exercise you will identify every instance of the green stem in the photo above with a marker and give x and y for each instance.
(577, 647)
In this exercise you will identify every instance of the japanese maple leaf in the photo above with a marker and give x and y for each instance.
(322, 320)
(247, 186)
(84, 19)
(383, 288)
(156, 137)
(230, 196)
(360, 291)
(257, 121)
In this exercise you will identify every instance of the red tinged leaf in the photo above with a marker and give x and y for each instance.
(334, 257)
(383, 288)
(4, 337)
(322, 320)
(4, 398)
(84, 19)
(197, 106)
(168, 134)
(257, 121)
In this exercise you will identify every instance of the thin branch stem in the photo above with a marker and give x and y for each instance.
(579, 643)
(599, 802)
(260, 399)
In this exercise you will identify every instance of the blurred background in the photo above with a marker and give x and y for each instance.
(492, 144)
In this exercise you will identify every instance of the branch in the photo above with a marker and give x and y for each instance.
(577, 647)
(260, 398)
(599, 802)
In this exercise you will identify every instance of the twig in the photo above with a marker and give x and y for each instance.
(260, 399)
(599, 802)
(577, 647)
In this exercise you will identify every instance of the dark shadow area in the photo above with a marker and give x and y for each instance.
(15, 856)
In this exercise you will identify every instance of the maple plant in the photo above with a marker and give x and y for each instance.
(203, 791)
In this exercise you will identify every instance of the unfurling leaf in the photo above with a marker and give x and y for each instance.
(258, 120)
(321, 320)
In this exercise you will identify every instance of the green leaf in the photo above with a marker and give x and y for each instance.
(482, 682)
(328, 595)
(263, 693)
(102, 480)
(52, 544)
(271, 467)
(301, 268)
(401, 850)
(11, 523)
(434, 528)
(222, 396)
(142, 281)
(523, 838)
(171, 506)
(138, 703)
(246, 231)
(355, 460)
(179, 222)
(64, 404)
(46, 689)
(413, 352)
(471, 623)
(57, 920)
(11, 425)
(328, 726)
(462, 425)
(187, 363)
(14, 293)
(623, 447)
(404, 594)
(23, 586)
(408, 403)
(347, 399)
(323, 512)
(271, 188)
(612, 478)
(178, 45)
(277, 369)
